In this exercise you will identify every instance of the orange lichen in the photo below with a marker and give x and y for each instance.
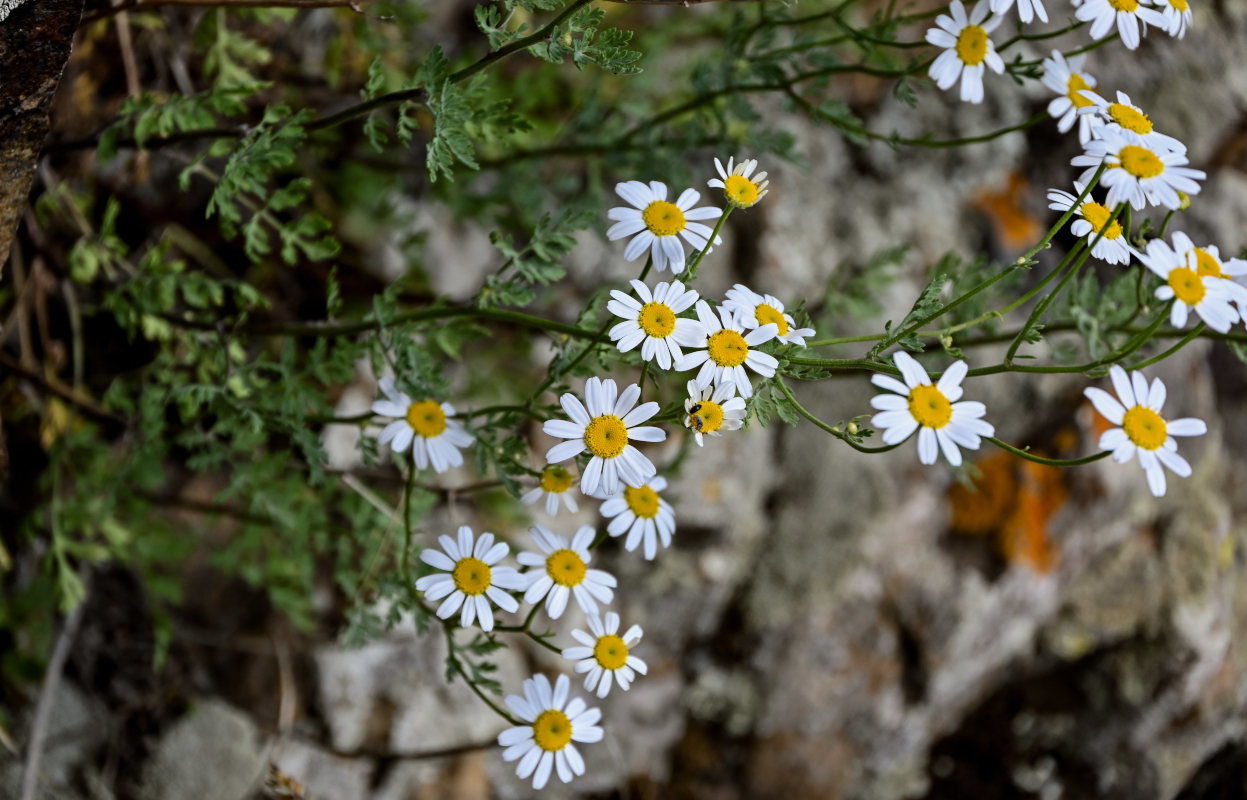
(984, 509)
(1014, 224)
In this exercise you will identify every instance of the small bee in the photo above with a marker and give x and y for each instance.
(694, 420)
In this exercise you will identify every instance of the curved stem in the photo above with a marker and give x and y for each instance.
(1051, 462)
(839, 434)
(1183, 342)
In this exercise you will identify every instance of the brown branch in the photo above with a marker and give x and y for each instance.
(140, 5)
(84, 404)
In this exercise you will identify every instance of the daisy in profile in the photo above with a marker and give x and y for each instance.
(642, 514)
(1207, 296)
(740, 186)
(966, 49)
(1178, 14)
(1138, 174)
(932, 410)
(470, 575)
(556, 486)
(563, 572)
(1091, 218)
(1027, 9)
(729, 349)
(657, 225)
(1127, 15)
(544, 743)
(1143, 431)
(1130, 121)
(653, 322)
(712, 409)
(426, 426)
(606, 654)
(1066, 78)
(756, 310)
(1207, 263)
(606, 429)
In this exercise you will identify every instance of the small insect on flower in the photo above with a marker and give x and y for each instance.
(471, 574)
(426, 426)
(545, 742)
(556, 484)
(729, 349)
(1137, 174)
(643, 514)
(654, 321)
(606, 654)
(1066, 78)
(713, 409)
(932, 410)
(1143, 431)
(1128, 120)
(1128, 15)
(605, 429)
(756, 310)
(740, 186)
(564, 572)
(966, 49)
(1190, 288)
(657, 225)
(1092, 218)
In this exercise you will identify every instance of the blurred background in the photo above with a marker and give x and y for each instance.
(198, 566)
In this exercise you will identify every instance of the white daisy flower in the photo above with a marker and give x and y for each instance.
(556, 484)
(756, 310)
(426, 426)
(729, 350)
(1207, 263)
(1128, 120)
(1137, 174)
(643, 515)
(564, 571)
(966, 49)
(932, 410)
(740, 186)
(1207, 296)
(1178, 14)
(1126, 14)
(605, 430)
(1027, 9)
(471, 575)
(713, 409)
(545, 743)
(1143, 430)
(1090, 219)
(1066, 78)
(654, 322)
(606, 654)
(658, 224)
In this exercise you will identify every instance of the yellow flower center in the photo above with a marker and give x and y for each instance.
(663, 218)
(1187, 285)
(611, 652)
(1076, 86)
(1179, 5)
(972, 45)
(929, 407)
(1129, 118)
(727, 348)
(706, 416)
(1206, 264)
(643, 501)
(565, 568)
(1145, 428)
(471, 576)
(606, 436)
(740, 191)
(1098, 215)
(556, 479)
(1140, 162)
(765, 315)
(657, 320)
(426, 418)
(552, 731)
(1128, 6)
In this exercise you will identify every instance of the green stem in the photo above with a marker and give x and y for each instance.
(1051, 462)
(696, 262)
(411, 488)
(1183, 342)
(836, 432)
